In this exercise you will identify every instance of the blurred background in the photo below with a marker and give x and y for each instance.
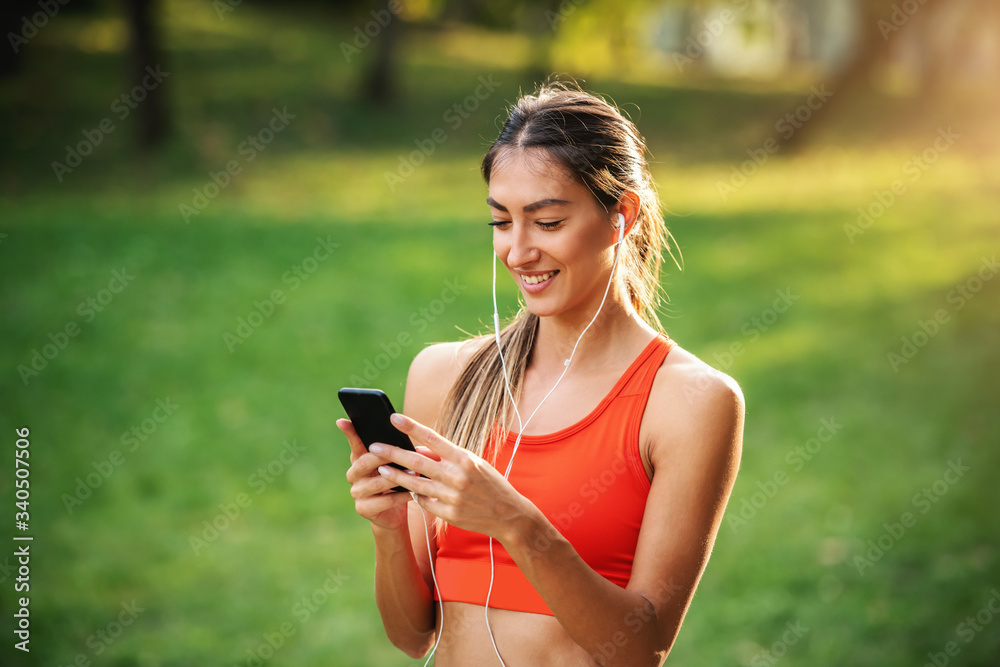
(215, 214)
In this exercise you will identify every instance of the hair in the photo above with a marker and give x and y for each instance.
(603, 150)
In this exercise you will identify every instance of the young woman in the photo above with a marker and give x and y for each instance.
(590, 543)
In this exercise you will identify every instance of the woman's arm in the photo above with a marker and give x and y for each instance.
(402, 596)
(403, 584)
(695, 453)
(695, 450)
(404, 600)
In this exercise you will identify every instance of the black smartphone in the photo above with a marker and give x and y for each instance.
(369, 410)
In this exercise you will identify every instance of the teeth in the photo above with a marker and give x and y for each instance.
(534, 280)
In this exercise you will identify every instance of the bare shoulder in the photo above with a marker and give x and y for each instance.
(695, 411)
(432, 373)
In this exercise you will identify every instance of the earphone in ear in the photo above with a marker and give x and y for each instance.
(621, 228)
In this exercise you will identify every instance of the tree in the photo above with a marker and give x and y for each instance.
(378, 83)
(936, 34)
(144, 52)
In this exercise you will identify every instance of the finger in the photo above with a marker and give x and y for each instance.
(414, 461)
(357, 447)
(431, 438)
(364, 466)
(421, 485)
(426, 503)
(374, 505)
(370, 487)
(428, 453)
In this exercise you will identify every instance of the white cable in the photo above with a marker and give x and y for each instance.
(521, 426)
(437, 591)
(520, 431)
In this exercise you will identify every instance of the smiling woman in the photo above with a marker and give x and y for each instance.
(576, 536)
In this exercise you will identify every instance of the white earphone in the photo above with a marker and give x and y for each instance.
(520, 430)
(522, 425)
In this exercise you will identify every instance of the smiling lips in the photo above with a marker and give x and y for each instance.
(541, 278)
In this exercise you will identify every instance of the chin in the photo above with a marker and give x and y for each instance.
(541, 307)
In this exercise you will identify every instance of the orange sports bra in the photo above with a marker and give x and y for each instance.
(587, 479)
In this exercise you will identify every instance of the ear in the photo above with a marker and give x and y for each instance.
(628, 206)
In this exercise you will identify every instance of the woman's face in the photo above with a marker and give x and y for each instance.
(553, 236)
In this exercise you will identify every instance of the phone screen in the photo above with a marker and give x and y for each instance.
(369, 411)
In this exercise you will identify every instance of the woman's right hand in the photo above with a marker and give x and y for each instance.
(372, 493)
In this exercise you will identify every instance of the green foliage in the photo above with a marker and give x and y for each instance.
(321, 182)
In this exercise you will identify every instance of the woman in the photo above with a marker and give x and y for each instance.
(615, 494)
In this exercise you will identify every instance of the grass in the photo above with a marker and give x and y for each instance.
(161, 337)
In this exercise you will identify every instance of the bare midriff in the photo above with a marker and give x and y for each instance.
(523, 639)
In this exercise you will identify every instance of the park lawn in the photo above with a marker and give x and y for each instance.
(794, 548)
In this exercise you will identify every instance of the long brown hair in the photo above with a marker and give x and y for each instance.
(601, 148)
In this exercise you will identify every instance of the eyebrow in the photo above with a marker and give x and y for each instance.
(542, 203)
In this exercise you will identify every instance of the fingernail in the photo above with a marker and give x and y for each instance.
(383, 470)
(376, 449)
(397, 419)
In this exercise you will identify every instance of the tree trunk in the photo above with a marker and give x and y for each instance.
(12, 15)
(145, 59)
(880, 26)
(379, 85)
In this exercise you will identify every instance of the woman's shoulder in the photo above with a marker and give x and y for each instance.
(682, 371)
(433, 372)
(441, 363)
(695, 404)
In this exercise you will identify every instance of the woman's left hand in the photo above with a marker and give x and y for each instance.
(461, 488)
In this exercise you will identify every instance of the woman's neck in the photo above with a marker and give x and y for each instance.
(617, 329)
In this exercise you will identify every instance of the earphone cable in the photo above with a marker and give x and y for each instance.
(522, 425)
(430, 560)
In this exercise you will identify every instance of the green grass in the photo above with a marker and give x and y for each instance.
(162, 337)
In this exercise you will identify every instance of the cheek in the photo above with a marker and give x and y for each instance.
(586, 252)
(500, 248)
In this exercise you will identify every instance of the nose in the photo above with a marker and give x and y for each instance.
(521, 250)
